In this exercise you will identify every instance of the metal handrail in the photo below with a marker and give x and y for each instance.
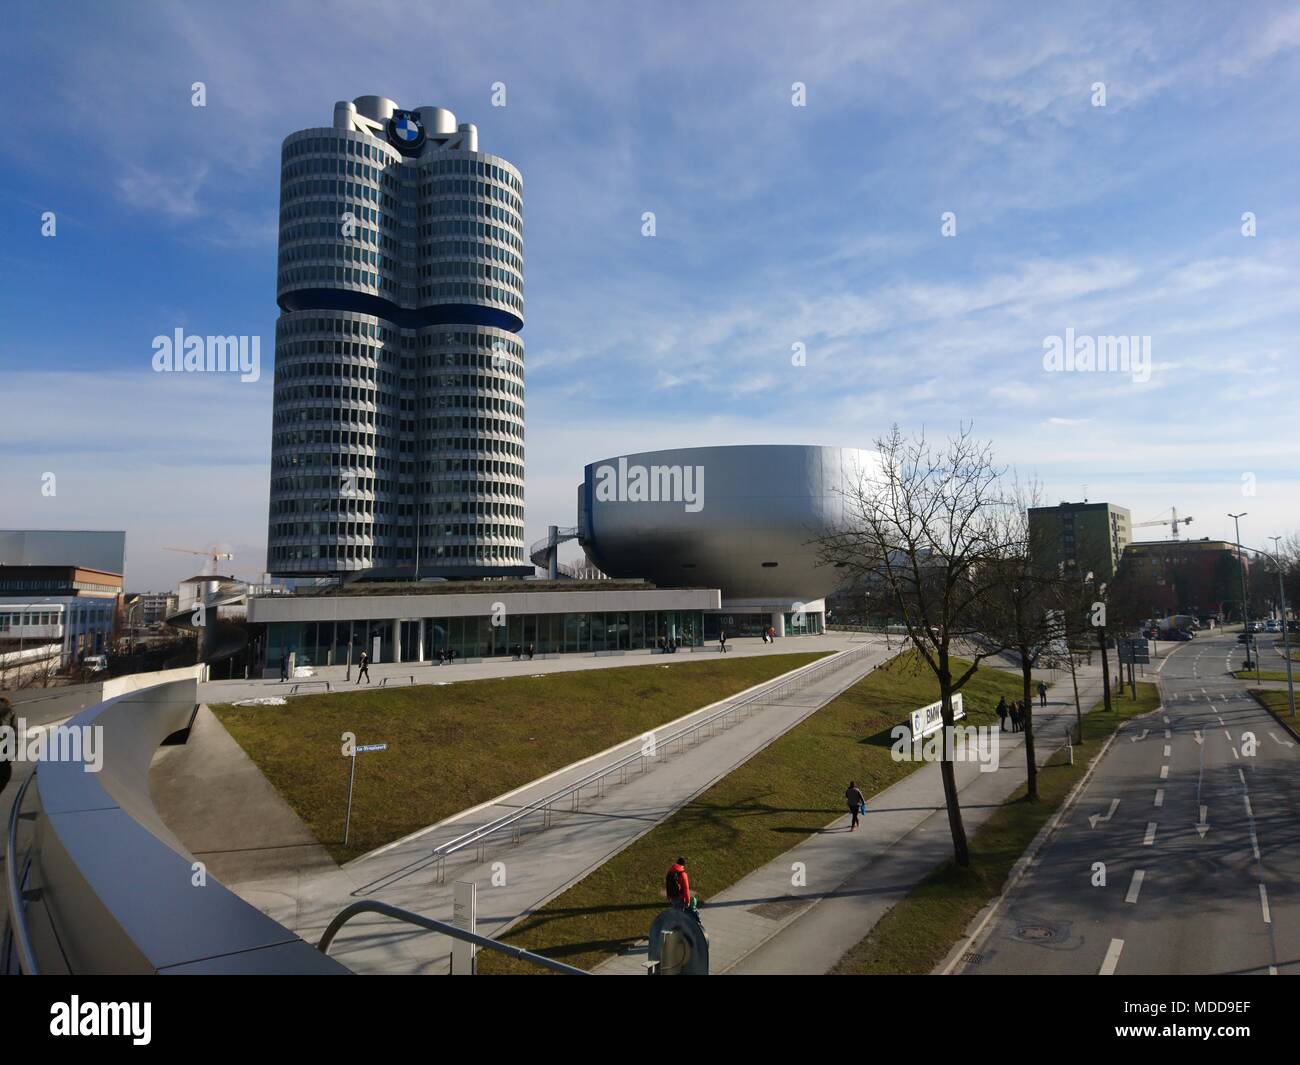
(430, 924)
(17, 918)
(808, 674)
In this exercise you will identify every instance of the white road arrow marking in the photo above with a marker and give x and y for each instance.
(1203, 827)
(1143, 736)
(1097, 819)
(1284, 743)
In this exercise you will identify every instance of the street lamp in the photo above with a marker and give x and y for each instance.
(1241, 571)
(1286, 640)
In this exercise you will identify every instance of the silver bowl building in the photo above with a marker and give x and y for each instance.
(741, 519)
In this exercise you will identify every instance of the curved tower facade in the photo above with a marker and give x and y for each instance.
(398, 428)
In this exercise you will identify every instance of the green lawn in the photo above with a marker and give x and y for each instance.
(1263, 674)
(917, 934)
(785, 793)
(453, 746)
(1276, 703)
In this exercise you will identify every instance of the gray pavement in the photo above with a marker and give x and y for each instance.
(515, 879)
(1201, 846)
(766, 925)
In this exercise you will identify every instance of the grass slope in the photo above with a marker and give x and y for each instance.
(454, 746)
(785, 793)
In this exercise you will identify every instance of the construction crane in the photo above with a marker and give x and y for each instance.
(213, 556)
(1173, 521)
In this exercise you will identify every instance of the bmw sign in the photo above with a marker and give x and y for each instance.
(405, 132)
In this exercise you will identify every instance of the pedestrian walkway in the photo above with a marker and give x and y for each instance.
(404, 673)
(765, 925)
(516, 879)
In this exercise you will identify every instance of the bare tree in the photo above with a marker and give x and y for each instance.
(924, 527)
(1023, 617)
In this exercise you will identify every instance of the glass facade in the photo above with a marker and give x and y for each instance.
(325, 643)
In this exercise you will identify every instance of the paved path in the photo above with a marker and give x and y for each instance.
(1201, 848)
(765, 925)
(401, 673)
(516, 879)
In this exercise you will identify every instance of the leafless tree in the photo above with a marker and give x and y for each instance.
(923, 526)
(1023, 609)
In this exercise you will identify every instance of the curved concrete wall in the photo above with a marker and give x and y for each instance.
(748, 532)
(116, 892)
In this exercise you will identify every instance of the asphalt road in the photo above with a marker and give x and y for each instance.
(1195, 814)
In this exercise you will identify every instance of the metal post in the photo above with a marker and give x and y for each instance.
(352, 776)
(1286, 640)
(1241, 572)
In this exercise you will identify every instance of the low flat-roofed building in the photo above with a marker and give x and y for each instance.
(413, 622)
(74, 605)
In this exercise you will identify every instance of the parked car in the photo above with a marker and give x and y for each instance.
(1270, 625)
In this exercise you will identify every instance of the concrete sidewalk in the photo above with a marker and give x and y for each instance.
(402, 673)
(515, 879)
(764, 925)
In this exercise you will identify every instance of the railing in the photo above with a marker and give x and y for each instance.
(432, 925)
(572, 792)
(16, 931)
(105, 887)
(298, 684)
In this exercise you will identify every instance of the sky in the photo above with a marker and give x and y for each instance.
(954, 185)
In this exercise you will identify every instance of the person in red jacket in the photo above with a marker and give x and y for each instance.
(678, 885)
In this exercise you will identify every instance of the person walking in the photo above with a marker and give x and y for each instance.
(1002, 712)
(364, 668)
(8, 721)
(677, 885)
(856, 800)
(722, 641)
(284, 668)
(1042, 694)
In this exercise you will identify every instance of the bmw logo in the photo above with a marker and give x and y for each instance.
(405, 132)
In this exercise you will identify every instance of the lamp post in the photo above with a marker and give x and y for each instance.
(1241, 572)
(1286, 640)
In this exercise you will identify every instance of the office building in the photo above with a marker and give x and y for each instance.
(1081, 536)
(1198, 577)
(398, 429)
